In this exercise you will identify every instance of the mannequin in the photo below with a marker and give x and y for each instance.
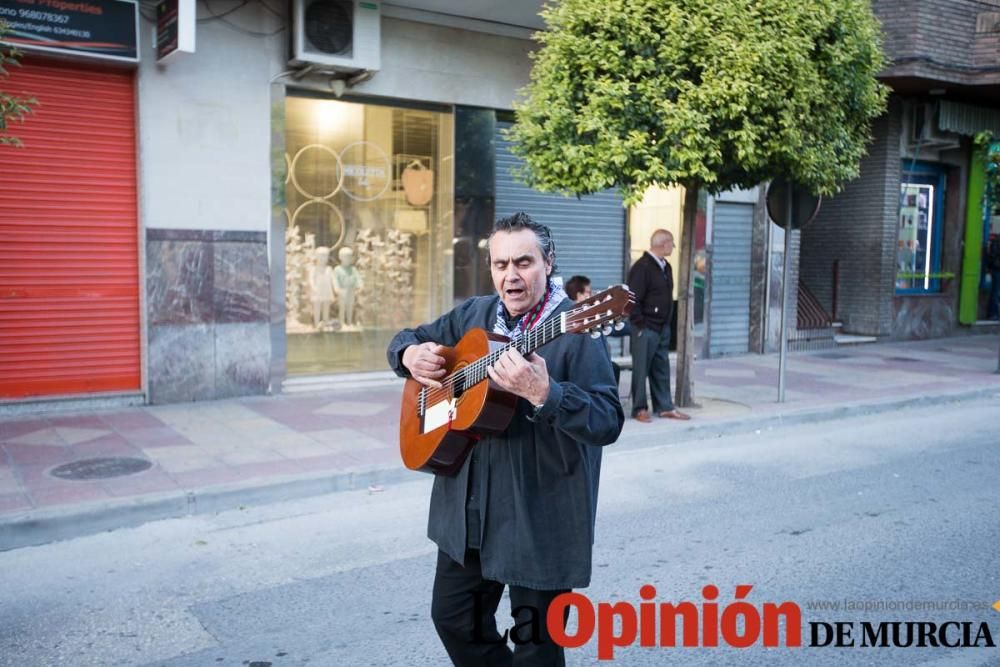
(321, 282)
(346, 283)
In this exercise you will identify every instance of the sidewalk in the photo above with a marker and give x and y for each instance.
(210, 456)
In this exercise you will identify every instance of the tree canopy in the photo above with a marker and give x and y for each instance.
(701, 93)
(12, 109)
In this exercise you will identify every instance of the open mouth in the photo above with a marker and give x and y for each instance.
(514, 292)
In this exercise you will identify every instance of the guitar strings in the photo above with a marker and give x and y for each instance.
(478, 368)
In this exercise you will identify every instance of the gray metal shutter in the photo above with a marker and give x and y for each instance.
(589, 232)
(729, 326)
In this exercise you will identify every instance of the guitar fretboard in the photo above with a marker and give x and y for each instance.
(530, 341)
(475, 372)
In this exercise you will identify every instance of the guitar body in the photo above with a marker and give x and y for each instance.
(438, 438)
(438, 427)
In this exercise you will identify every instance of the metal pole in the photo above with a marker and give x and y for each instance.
(784, 294)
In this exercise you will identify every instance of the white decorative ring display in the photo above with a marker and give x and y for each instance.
(336, 211)
(387, 171)
(340, 172)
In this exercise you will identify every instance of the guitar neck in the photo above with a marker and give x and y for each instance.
(530, 341)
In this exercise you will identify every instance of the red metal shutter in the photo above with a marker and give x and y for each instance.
(69, 263)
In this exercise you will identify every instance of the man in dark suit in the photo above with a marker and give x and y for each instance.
(651, 278)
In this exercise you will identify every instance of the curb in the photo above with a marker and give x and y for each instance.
(39, 527)
(805, 416)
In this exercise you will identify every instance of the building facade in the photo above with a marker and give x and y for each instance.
(899, 253)
(285, 215)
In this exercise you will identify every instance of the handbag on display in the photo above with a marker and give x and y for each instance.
(411, 220)
(418, 184)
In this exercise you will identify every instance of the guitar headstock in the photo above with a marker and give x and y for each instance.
(601, 312)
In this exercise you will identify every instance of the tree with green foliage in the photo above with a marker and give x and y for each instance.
(703, 94)
(12, 109)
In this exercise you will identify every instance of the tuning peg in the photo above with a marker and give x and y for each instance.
(619, 325)
(595, 334)
(606, 330)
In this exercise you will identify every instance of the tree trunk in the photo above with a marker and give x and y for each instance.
(684, 391)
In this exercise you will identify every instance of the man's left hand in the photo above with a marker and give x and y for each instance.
(527, 377)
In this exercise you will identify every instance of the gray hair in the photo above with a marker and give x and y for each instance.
(543, 235)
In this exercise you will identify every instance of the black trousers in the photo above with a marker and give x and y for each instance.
(464, 607)
(651, 360)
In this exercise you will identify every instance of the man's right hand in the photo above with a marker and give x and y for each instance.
(425, 363)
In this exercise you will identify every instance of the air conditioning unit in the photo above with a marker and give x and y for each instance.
(924, 131)
(342, 35)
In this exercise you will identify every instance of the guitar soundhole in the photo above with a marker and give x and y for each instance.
(458, 382)
(459, 387)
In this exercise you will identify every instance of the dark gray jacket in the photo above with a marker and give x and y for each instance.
(537, 482)
(654, 293)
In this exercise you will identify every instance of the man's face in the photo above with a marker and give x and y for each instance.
(584, 294)
(519, 271)
(664, 249)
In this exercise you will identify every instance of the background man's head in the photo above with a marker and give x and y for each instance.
(522, 257)
(661, 243)
(578, 288)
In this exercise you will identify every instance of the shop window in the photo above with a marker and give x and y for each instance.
(919, 230)
(368, 243)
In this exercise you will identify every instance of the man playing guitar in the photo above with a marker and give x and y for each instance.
(520, 510)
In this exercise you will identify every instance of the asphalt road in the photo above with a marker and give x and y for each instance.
(890, 512)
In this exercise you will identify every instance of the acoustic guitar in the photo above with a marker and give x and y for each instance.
(439, 426)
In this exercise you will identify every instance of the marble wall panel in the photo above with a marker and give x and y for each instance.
(209, 311)
(920, 317)
(242, 359)
(241, 285)
(181, 363)
(179, 280)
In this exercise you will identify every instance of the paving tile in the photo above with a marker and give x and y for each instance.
(150, 481)
(268, 469)
(14, 502)
(211, 435)
(109, 445)
(8, 482)
(256, 423)
(239, 457)
(380, 456)
(306, 423)
(301, 451)
(130, 420)
(43, 436)
(348, 440)
(193, 479)
(289, 439)
(155, 436)
(73, 435)
(182, 458)
(68, 494)
(354, 408)
(86, 422)
(13, 429)
(330, 462)
(49, 455)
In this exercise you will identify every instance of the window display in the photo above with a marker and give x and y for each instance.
(918, 232)
(368, 245)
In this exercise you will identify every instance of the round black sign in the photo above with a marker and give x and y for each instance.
(805, 205)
